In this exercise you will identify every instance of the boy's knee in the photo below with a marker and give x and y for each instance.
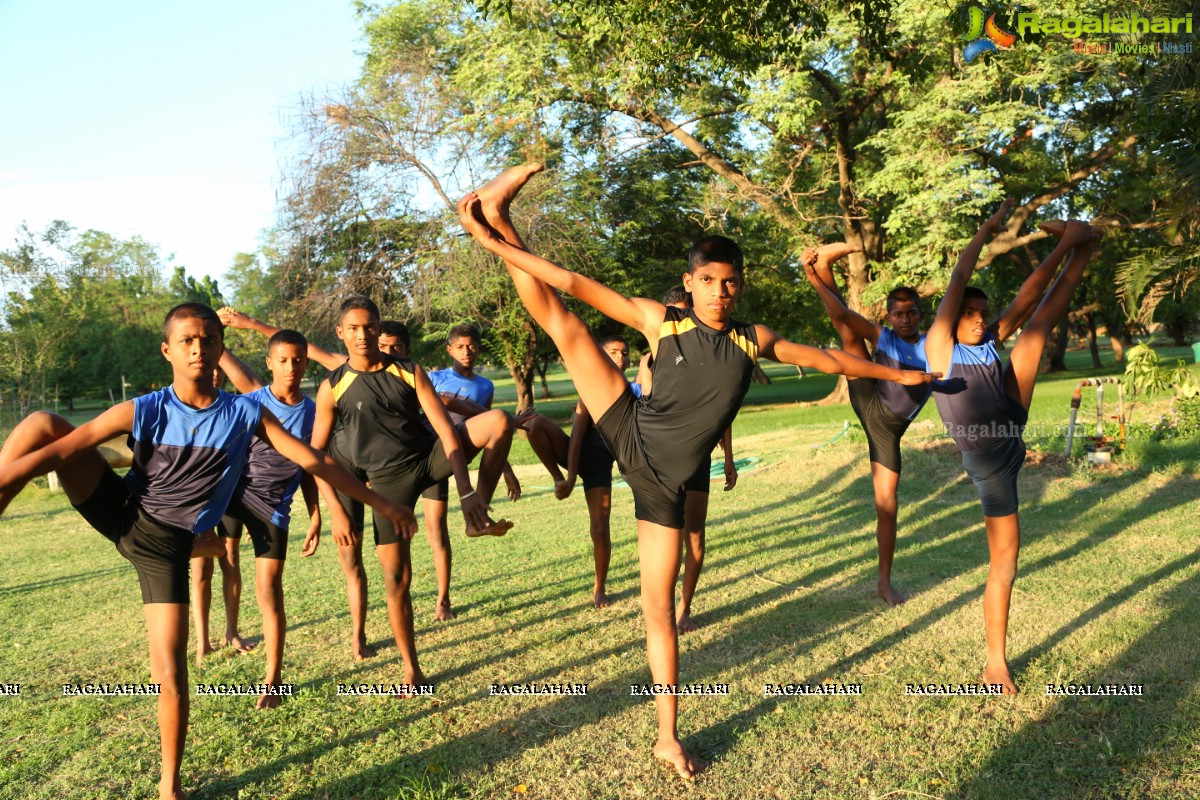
(45, 427)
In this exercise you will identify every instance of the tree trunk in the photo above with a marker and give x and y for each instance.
(522, 370)
(1093, 347)
(1056, 348)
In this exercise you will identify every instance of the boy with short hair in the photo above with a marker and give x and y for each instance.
(885, 409)
(190, 443)
(262, 501)
(704, 362)
(379, 400)
(465, 394)
(695, 509)
(985, 405)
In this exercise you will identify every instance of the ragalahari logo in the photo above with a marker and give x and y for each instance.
(987, 37)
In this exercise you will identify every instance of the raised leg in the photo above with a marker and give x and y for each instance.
(78, 478)
(596, 378)
(550, 444)
(854, 330)
(1027, 352)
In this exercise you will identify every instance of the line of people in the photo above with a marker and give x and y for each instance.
(382, 431)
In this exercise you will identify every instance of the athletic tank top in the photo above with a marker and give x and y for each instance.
(270, 480)
(972, 398)
(382, 432)
(892, 351)
(187, 461)
(701, 375)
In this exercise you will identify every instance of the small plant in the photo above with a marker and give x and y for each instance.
(1144, 376)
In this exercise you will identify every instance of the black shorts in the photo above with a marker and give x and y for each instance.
(994, 469)
(700, 481)
(595, 463)
(441, 490)
(270, 541)
(401, 487)
(883, 428)
(161, 554)
(652, 501)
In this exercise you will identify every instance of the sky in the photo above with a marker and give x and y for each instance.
(171, 121)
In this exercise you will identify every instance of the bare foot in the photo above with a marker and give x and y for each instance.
(238, 643)
(685, 623)
(600, 599)
(269, 699)
(999, 675)
(818, 261)
(411, 681)
(889, 595)
(498, 528)
(203, 649)
(443, 612)
(497, 195)
(361, 650)
(672, 752)
(1057, 227)
(167, 791)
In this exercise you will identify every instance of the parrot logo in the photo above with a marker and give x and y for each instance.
(985, 37)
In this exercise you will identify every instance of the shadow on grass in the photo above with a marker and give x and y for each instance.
(64, 580)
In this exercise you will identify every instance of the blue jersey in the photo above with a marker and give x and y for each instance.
(478, 389)
(187, 461)
(973, 400)
(892, 351)
(270, 480)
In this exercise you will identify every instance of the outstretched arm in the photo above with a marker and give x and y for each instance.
(832, 362)
(939, 341)
(242, 377)
(323, 466)
(232, 318)
(636, 312)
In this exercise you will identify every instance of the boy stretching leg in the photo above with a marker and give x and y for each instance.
(190, 443)
(885, 409)
(985, 404)
(707, 360)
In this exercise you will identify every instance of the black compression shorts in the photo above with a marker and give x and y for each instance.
(441, 490)
(402, 488)
(994, 469)
(883, 428)
(652, 501)
(161, 554)
(270, 541)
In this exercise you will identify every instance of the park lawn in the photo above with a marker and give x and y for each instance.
(1106, 594)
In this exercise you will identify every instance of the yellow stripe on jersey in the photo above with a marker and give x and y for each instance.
(403, 374)
(673, 327)
(742, 341)
(343, 385)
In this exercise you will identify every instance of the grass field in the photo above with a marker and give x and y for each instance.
(1106, 594)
